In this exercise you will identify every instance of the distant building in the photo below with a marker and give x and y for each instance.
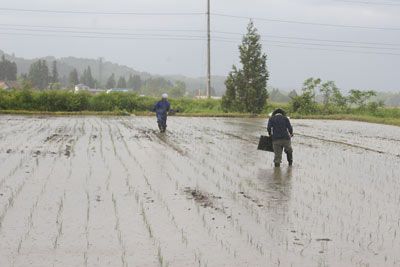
(84, 88)
(81, 87)
(8, 85)
(206, 97)
(119, 90)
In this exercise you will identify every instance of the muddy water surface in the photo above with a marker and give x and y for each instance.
(91, 191)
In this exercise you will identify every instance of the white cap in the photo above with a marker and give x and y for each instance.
(164, 95)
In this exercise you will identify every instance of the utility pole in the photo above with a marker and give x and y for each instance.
(208, 51)
(100, 71)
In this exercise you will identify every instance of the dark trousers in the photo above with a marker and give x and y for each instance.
(279, 145)
(162, 121)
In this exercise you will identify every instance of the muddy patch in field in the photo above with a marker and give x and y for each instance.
(56, 138)
(164, 138)
(204, 199)
(145, 134)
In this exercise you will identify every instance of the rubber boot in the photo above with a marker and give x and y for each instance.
(289, 158)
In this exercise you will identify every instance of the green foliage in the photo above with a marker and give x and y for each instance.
(234, 81)
(8, 70)
(87, 78)
(134, 82)
(187, 105)
(121, 82)
(338, 100)
(360, 98)
(39, 74)
(73, 78)
(156, 86)
(67, 101)
(292, 94)
(246, 87)
(27, 100)
(111, 82)
(54, 73)
(305, 103)
(178, 90)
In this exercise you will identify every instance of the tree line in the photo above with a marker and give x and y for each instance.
(41, 76)
(333, 100)
(246, 87)
(8, 69)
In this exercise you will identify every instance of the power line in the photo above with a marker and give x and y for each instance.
(368, 3)
(324, 49)
(113, 34)
(102, 28)
(293, 44)
(317, 44)
(102, 33)
(27, 27)
(308, 23)
(102, 12)
(314, 39)
(105, 37)
(200, 13)
(338, 50)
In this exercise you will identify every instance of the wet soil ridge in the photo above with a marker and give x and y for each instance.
(103, 191)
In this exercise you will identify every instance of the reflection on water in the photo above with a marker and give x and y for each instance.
(276, 183)
(276, 180)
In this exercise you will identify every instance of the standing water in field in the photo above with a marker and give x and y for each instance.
(93, 191)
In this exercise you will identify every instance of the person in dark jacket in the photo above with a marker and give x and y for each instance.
(281, 130)
(161, 108)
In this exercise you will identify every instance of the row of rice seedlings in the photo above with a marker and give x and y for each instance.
(210, 231)
(254, 211)
(258, 246)
(32, 211)
(18, 144)
(112, 139)
(59, 221)
(143, 214)
(117, 228)
(10, 201)
(162, 201)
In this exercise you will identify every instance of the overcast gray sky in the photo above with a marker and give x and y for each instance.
(290, 59)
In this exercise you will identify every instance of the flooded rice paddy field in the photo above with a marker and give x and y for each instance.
(91, 191)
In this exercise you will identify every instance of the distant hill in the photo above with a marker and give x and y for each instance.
(106, 68)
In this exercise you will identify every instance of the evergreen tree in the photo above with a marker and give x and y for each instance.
(39, 74)
(121, 82)
(73, 78)
(129, 83)
(111, 82)
(87, 78)
(137, 82)
(134, 82)
(248, 86)
(54, 73)
(232, 83)
(8, 70)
